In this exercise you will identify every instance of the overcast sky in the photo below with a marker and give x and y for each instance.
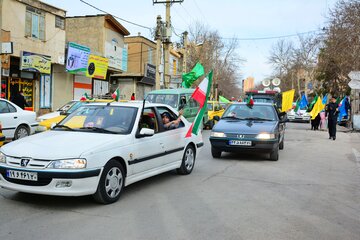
(232, 18)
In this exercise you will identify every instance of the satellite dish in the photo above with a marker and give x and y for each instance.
(277, 89)
(266, 82)
(276, 81)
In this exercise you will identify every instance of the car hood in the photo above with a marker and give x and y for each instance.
(58, 144)
(47, 123)
(245, 126)
(49, 115)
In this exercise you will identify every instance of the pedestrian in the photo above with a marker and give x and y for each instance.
(332, 112)
(19, 99)
(132, 96)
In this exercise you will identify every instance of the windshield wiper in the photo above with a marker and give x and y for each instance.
(63, 126)
(232, 117)
(97, 129)
(257, 118)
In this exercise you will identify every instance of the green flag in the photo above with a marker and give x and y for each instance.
(312, 103)
(297, 107)
(223, 99)
(190, 77)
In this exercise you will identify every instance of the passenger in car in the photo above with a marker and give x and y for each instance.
(167, 123)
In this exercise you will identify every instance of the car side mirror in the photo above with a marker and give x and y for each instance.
(145, 132)
(62, 113)
(217, 118)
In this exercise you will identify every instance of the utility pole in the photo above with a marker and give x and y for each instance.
(167, 38)
(158, 36)
(185, 42)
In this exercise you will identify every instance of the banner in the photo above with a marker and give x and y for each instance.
(77, 58)
(287, 100)
(97, 67)
(34, 62)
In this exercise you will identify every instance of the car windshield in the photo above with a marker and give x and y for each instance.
(209, 106)
(67, 106)
(169, 99)
(74, 107)
(263, 100)
(101, 119)
(256, 112)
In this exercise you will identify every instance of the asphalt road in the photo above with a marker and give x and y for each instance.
(312, 192)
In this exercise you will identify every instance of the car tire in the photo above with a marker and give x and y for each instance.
(281, 145)
(274, 155)
(215, 152)
(188, 161)
(111, 183)
(21, 131)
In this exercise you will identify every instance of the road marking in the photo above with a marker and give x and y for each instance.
(357, 158)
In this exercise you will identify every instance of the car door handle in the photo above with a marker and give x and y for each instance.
(15, 117)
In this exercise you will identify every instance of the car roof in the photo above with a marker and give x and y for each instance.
(137, 104)
(172, 91)
(256, 103)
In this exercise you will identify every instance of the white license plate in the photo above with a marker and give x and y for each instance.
(240, 143)
(31, 176)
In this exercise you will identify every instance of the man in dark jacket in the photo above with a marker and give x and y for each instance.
(332, 112)
(19, 100)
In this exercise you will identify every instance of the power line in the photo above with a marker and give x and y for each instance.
(274, 37)
(122, 19)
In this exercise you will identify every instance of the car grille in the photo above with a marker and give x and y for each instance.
(240, 136)
(32, 164)
(39, 182)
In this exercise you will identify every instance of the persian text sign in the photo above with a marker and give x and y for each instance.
(77, 58)
(97, 67)
(34, 62)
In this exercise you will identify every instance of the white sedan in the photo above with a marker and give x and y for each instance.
(97, 150)
(16, 122)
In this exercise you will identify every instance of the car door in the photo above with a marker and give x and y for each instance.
(10, 118)
(149, 151)
(174, 139)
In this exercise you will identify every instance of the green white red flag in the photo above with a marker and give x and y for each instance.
(200, 95)
(116, 95)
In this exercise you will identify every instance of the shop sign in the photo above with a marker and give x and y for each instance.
(34, 62)
(77, 58)
(97, 67)
(150, 71)
(114, 53)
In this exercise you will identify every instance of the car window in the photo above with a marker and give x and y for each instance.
(193, 103)
(74, 107)
(265, 112)
(117, 119)
(67, 106)
(6, 107)
(209, 106)
(169, 99)
(149, 120)
(173, 116)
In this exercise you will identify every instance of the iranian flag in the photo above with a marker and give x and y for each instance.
(250, 101)
(116, 95)
(200, 95)
(297, 106)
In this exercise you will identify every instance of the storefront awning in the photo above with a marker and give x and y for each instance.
(148, 81)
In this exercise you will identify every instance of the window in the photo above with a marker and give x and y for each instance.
(150, 55)
(60, 23)
(35, 23)
(6, 108)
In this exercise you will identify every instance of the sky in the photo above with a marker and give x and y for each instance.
(247, 20)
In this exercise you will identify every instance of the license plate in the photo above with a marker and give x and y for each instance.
(31, 176)
(240, 143)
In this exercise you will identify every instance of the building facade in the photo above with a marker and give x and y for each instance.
(37, 31)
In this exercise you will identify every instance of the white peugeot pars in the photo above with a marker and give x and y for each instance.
(99, 149)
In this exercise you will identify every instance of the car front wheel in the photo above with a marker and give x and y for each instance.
(274, 155)
(21, 131)
(188, 161)
(111, 183)
(215, 153)
(281, 145)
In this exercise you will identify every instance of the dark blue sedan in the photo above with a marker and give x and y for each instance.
(245, 128)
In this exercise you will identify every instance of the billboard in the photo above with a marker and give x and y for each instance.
(97, 67)
(77, 58)
(34, 62)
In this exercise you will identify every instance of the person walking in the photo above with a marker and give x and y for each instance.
(19, 100)
(332, 112)
(132, 96)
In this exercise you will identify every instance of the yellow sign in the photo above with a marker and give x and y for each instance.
(97, 67)
(34, 62)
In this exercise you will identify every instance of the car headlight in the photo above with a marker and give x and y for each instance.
(68, 163)
(265, 136)
(218, 134)
(2, 158)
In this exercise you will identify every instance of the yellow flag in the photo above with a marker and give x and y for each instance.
(318, 106)
(287, 100)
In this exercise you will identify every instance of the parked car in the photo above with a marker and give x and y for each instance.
(214, 109)
(178, 99)
(301, 115)
(16, 122)
(67, 109)
(242, 128)
(110, 145)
